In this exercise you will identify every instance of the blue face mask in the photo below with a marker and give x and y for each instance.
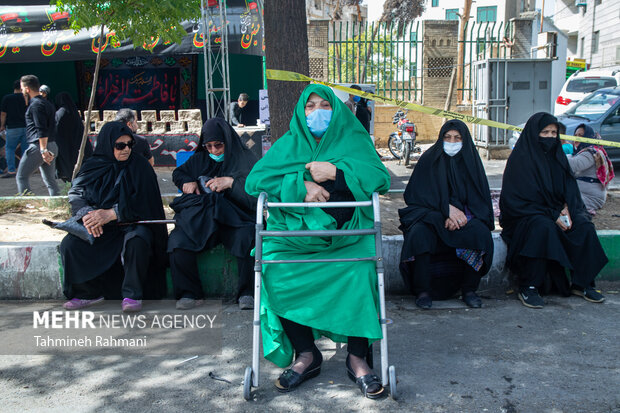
(217, 158)
(318, 121)
(452, 148)
(567, 148)
(356, 98)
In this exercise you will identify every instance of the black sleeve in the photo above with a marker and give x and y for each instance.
(41, 121)
(146, 150)
(75, 199)
(3, 105)
(238, 195)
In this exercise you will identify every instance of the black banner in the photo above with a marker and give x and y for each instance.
(40, 33)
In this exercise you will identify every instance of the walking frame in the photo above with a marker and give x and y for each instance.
(388, 374)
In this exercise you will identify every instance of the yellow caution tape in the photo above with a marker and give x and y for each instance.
(298, 77)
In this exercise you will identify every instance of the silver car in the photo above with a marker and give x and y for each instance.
(601, 111)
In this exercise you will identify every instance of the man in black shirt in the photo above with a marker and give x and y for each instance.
(128, 117)
(239, 112)
(42, 149)
(13, 120)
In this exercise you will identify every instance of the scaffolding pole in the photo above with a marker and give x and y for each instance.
(216, 58)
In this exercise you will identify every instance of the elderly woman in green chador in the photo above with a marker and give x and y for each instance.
(326, 156)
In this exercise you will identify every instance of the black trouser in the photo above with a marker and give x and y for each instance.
(533, 272)
(422, 281)
(186, 278)
(136, 258)
(302, 339)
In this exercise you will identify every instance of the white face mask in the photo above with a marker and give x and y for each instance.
(452, 148)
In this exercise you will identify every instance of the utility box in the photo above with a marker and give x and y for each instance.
(509, 91)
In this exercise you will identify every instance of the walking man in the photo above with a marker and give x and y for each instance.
(13, 120)
(42, 149)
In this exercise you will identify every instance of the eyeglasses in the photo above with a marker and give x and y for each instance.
(122, 145)
(216, 145)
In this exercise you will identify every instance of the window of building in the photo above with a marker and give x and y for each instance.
(595, 42)
(582, 46)
(487, 14)
(434, 3)
(452, 14)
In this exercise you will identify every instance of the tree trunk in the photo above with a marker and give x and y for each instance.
(286, 40)
(460, 68)
(91, 101)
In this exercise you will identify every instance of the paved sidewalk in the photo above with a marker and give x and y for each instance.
(502, 358)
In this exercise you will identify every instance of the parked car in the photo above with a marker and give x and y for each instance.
(580, 84)
(601, 111)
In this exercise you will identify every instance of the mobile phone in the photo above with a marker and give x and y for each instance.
(565, 220)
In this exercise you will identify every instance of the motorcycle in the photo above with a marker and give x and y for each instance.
(402, 143)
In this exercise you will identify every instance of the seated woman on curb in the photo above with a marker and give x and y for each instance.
(592, 168)
(325, 156)
(219, 213)
(114, 187)
(448, 221)
(544, 221)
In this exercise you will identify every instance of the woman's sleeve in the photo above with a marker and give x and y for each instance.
(76, 200)
(581, 162)
(182, 174)
(238, 195)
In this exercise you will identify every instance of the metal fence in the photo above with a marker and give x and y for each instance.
(361, 52)
(483, 41)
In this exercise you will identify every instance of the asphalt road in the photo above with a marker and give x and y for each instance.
(501, 358)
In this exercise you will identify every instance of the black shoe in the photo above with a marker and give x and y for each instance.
(369, 384)
(530, 298)
(290, 379)
(589, 294)
(472, 300)
(424, 301)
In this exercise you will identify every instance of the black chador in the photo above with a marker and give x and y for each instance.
(130, 187)
(438, 181)
(207, 219)
(536, 186)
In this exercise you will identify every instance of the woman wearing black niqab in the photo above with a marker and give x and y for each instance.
(448, 220)
(544, 221)
(214, 209)
(69, 131)
(115, 186)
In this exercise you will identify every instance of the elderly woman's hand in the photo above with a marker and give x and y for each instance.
(457, 217)
(315, 193)
(191, 188)
(322, 171)
(95, 220)
(220, 184)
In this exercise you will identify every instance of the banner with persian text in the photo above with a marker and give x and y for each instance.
(37, 33)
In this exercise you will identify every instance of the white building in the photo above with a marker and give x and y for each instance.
(592, 29)
(324, 10)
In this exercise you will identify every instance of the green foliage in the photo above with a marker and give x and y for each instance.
(140, 21)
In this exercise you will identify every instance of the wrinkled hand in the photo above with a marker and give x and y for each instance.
(95, 220)
(322, 171)
(315, 192)
(220, 184)
(191, 188)
(559, 221)
(456, 219)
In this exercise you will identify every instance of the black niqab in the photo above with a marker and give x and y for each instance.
(535, 187)
(202, 221)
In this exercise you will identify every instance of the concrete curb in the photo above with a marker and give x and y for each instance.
(33, 270)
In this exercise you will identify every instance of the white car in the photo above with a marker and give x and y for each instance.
(581, 84)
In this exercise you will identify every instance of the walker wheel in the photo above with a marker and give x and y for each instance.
(247, 384)
(392, 379)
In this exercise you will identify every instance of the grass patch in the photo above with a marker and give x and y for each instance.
(11, 205)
